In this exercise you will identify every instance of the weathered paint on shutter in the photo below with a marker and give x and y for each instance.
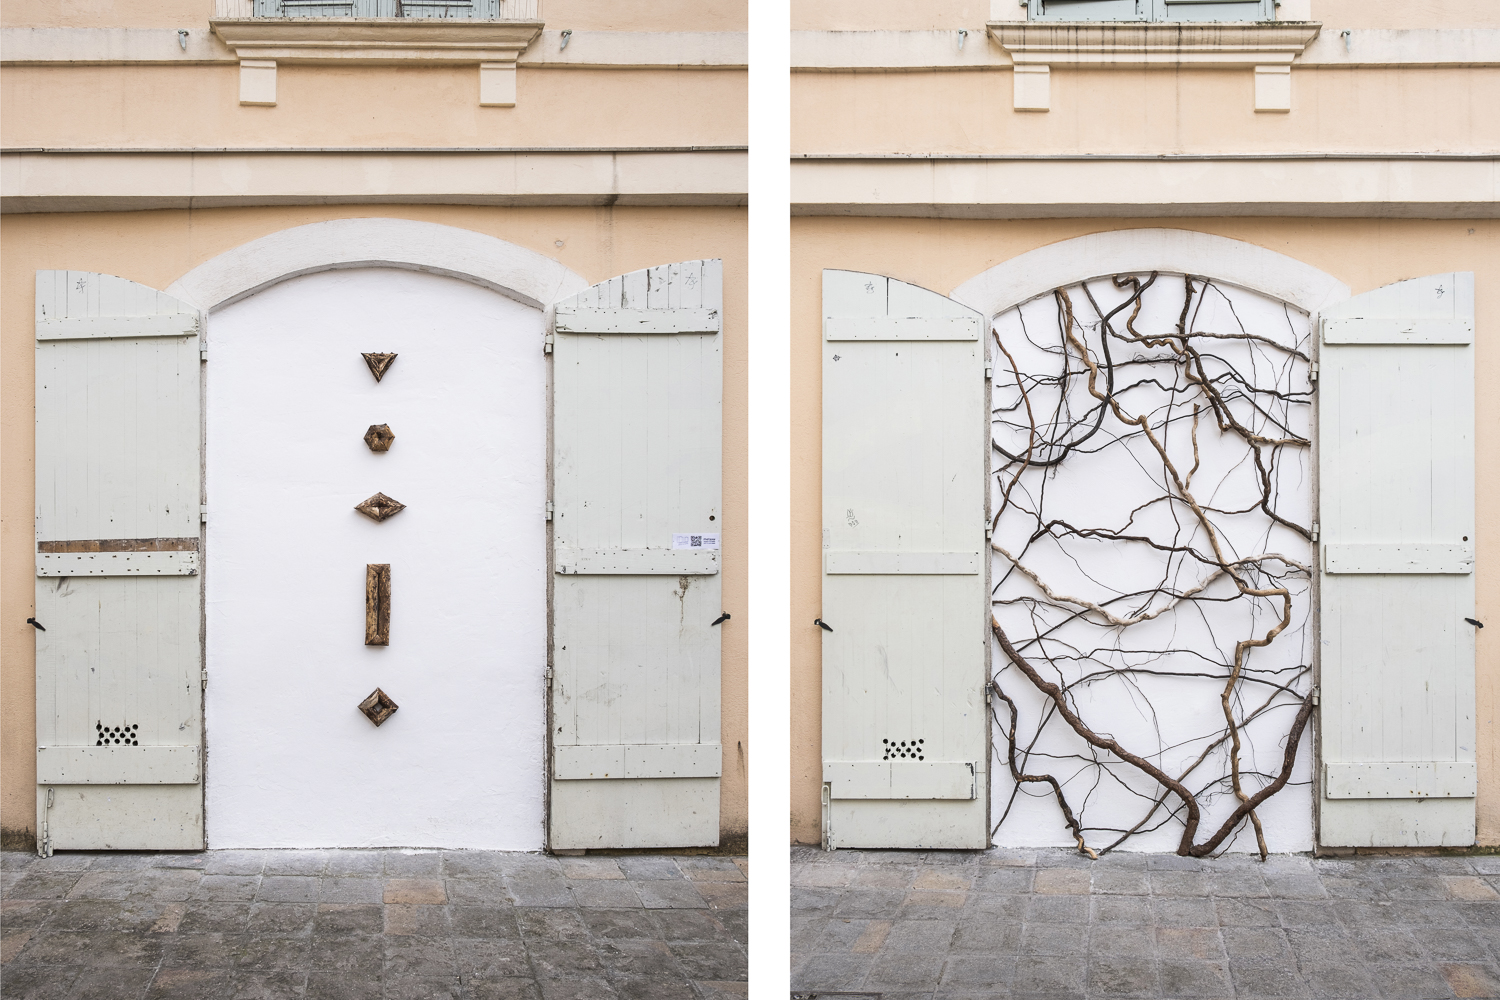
(1396, 496)
(637, 389)
(451, 9)
(905, 567)
(1091, 10)
(1213, 10)
(117, 586)
(1153, 10)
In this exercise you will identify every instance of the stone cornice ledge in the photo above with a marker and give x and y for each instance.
(1268, 47)
(369, 40)
(260, 43)
(1128, 44)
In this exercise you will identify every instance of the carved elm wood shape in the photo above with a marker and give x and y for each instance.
(379, 507)
(378, 706)
(379, 437)
(378, 604)
(379, 364)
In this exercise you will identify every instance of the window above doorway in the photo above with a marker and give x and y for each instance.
(452, 10)
(1159, 11)
(490, 34)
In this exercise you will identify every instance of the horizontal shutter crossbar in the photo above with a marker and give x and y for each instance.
(571, 319)
(1401, 780)
(119, 545)
(120, 327)
(633, 760)
(108, 563)
(1398, 331)
(117, 765)
(901, 563)
(1403, 558)
(901, 328)
(637, 562)
(900, 779)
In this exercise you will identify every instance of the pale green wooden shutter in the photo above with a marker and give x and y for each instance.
(464, 10)
(1214, 10)
(637, 392)
(905, 566)
(325, 8)
(119, 693)
(1152, 10)
(1091, 10)
(1396, 496)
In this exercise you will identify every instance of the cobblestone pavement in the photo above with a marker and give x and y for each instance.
(478, 925)
(1052, 924)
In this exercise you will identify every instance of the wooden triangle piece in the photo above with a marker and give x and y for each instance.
(379, 364)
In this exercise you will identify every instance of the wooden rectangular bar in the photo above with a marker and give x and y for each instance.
(378, 604)
(120, 545)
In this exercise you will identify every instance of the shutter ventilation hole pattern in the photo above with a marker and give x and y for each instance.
(905, 749)
(122, 735)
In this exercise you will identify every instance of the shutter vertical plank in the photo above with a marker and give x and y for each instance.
(637, 440)
(1396, 470)
(905, 459)
(118, 458)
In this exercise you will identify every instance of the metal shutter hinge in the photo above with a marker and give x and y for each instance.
(989, 372)
(44, 842)
(550, 509)
(1312, 372)
(203, 513)
(547, 343)
(1317, 696)
(203, 676)
(202, 350)
(1315, 531)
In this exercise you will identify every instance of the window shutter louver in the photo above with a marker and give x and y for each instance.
(1153, 10)
(465, 10)
(1091, 10)
(905, 566)
(119, 695)
(637, 439)
(1396, 499)
(1215, 10)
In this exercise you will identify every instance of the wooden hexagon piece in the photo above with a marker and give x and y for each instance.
(379, 364)
(379, 507)
(378, 706)
(379, 437)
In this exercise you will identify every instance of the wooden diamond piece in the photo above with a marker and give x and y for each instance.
(379, 437)
(378, 707)
(379, 364)
(379, 507)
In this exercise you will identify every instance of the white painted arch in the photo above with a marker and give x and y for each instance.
(1176, 251)
(339, 244)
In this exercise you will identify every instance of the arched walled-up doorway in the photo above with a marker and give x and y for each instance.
(1153, 504)
(288, 401)
(1197, 672)
(390, 415)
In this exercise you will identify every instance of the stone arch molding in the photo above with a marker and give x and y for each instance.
(1179, 251)
(340, 244)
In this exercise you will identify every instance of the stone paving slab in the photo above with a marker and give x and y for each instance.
(471, 925)
(1053, 925)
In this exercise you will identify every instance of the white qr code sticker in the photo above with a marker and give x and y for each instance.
(695, 541)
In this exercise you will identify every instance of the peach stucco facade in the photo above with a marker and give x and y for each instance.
(913, 157)
(130, 149)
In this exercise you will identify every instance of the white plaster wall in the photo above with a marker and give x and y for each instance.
(291, 761)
